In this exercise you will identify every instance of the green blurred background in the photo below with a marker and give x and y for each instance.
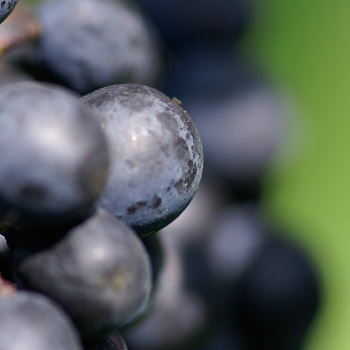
(306, 46)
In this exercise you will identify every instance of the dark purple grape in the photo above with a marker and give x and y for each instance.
(33, 322)
(6, 7)
(98, 43)
(237, 235)
(156, 155)
(99, 273)
(245, 135)
(53, 156)
(182, 21)
(277, 297)
(210, 69)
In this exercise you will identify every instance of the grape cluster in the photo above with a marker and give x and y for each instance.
(96, 163)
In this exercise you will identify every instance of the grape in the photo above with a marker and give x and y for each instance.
(182, 21)
(237, 236)
(99, 273)
(277, 297)
(210, 69)
(245, 135)
(33, 322)
(53, 156)
(98, 43)
(156, 155)
(6, 7)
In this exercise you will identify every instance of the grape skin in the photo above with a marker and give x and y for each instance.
(156, 155)
(6, 7)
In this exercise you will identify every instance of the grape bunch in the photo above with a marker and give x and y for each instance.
(113, 235)
(57, 154)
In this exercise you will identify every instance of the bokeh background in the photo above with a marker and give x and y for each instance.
(305, 46)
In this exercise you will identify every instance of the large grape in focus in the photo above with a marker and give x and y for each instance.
(156, 155)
